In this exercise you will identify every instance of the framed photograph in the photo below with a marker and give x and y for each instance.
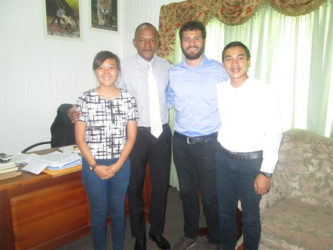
(104, 14)
(62, 18)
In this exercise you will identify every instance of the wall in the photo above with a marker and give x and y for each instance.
(38, 73)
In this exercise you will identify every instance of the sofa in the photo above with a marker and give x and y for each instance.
(297, 213)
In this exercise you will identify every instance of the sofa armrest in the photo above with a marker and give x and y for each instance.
(278, 190)
(304, 171)
(280, 180)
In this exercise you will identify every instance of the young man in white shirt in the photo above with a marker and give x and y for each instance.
(249, 138)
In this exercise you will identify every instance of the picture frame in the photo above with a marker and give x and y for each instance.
(104, 15)
(62, 18)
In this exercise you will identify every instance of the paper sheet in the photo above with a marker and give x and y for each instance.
(55, 160)
(35, 164)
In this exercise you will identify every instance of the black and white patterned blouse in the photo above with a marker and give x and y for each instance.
(106, 122)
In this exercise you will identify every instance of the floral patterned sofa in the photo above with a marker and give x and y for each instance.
(297, 213)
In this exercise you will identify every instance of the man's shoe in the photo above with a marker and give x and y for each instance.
(140, 244)
(160, 241)
(184, 243)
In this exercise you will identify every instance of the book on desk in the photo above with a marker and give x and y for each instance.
(9, 169)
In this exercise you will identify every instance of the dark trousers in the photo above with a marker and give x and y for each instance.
(195, 165)
(235, 181)
(157, 152)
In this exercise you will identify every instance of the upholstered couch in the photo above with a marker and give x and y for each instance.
(297, 213)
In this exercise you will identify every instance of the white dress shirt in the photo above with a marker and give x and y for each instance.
(134, 79)
(250, 120)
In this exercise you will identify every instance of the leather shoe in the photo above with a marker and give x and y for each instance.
(160, 241)
(140, 244)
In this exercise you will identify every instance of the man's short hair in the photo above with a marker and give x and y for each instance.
(236, 44)
(145, 25)
(193, 25)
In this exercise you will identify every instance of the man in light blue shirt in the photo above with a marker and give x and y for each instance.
(192, 92)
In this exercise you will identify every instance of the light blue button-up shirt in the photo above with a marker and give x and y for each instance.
(192, 91)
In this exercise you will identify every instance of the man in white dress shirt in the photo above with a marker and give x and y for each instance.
(156, 150)
(249, 138)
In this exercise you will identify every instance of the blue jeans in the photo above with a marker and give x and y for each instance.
(195, 165)
(235, 181)
(107, 195)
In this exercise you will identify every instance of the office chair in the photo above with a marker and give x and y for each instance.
(62, 130)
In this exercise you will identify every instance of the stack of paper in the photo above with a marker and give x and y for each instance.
(8, 170)
(58, 160)
(55, 161)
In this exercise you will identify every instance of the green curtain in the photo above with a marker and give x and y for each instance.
(294, 54)
(320, 103)
(178, 57)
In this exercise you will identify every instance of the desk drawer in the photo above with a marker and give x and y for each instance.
(45, 214)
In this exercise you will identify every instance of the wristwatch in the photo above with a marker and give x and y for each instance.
(267, 175)
(93, 166)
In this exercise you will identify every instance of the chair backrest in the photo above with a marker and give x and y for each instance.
(62, 129)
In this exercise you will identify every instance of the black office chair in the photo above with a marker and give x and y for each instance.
(62, 130)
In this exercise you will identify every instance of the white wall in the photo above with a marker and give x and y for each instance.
(38, 73)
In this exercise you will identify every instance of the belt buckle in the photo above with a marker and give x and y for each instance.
(188, 140)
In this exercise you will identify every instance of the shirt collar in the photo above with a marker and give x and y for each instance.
(203, 62)
(142, 60)
(249, 79)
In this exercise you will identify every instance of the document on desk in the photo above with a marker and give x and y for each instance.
(35, 164)
(58, 160)
(55, 161)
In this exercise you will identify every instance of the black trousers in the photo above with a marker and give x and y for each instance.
(195, 165)
(157, 152)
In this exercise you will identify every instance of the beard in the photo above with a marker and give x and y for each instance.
(193, 56)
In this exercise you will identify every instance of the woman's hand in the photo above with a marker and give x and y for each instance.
(114, 168)
(104, 172)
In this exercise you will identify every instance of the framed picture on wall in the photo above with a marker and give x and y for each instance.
(104, 14)
(62, 18)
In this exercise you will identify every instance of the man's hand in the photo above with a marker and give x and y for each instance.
(262, 184)
(73, 114)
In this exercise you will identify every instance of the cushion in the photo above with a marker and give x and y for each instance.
(292, 224)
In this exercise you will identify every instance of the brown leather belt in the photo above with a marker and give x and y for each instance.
(242, 156)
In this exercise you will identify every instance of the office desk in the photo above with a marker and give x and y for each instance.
(45, 212)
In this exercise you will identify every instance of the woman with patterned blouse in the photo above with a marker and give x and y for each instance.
(105, 134)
